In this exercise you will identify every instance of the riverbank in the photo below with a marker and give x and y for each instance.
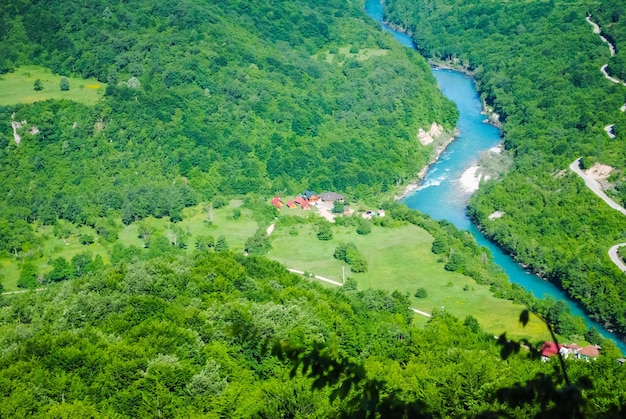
(441, 143)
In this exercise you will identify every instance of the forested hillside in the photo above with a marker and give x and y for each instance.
(217, 334)
(538, 64)
(204, 99)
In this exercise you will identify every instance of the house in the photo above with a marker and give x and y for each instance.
(303, 202)
(291, 204)
(277, 202)
(549, 349)
(381, 212)
(310, 196)
(331, 197)
(589, 352)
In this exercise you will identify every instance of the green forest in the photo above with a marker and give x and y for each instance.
(136, 136)
(223, 335)
(538, 64)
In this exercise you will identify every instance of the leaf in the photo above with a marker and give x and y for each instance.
(524, 317)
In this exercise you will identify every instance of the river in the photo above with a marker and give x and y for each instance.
(440, 193)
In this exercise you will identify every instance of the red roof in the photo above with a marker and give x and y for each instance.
(300, 200)
(549, 349)
(592, 351)
(277, 202)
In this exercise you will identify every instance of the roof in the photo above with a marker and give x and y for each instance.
(592, 351)
(331, 196)
(549, 349)
(300, 200)
(308, 194)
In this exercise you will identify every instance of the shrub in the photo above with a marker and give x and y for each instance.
(421, 293)
(86, 239)
(364, 228)
(324, 231)
(64, 84)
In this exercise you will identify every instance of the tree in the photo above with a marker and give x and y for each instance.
(64, 84)
(61, 270)
(28, 276)
(593, 336)
(80, 262)
(221, 245)
(258, 244)
(324, 231)
(37, 86)
(337, 207)
(204, 242)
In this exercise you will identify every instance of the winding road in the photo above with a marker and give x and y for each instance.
(592, 184)
(589, 181)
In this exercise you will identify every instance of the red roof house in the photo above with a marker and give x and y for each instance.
(277, 202)
(549, 349)
(591, 351)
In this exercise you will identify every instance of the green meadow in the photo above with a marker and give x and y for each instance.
(18, 87)
(399, 258)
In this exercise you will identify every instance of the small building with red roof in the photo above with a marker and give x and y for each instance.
(277, 202)
(549, 349)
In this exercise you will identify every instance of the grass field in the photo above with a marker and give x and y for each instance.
(17, 87)
(344, 53)
(401, 259)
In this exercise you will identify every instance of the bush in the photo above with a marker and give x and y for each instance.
(364, 228)
(219, 202)
(86, 239)
(350, 254)
(324, 231)
(421, 293)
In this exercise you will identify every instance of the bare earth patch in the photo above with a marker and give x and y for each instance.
(600, 173)
(427, 137)
(495, 215)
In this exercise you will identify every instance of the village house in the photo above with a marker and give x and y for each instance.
(550, 349)
(277, 202)
(331, 197)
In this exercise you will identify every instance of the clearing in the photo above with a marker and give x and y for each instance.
(18, 87)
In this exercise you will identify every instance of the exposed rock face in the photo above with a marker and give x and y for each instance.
(427, 137)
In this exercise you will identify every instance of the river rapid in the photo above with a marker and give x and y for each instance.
(441, 194)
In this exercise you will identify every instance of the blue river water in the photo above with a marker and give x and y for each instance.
(440, 193)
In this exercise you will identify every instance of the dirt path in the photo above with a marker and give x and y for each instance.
(23, 291)
(420, 312)
(339, 284)
(321, 278)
